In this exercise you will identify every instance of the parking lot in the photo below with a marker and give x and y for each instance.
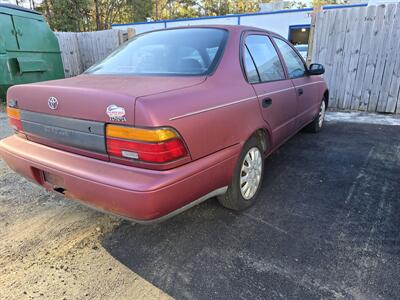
(327, 226)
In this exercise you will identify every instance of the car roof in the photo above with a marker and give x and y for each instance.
(236, 28)
(16, 7)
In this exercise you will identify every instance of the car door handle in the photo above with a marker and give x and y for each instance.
(300, 91)
(266, 102)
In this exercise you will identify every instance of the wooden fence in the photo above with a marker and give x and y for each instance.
(80, 50)
(359, 48)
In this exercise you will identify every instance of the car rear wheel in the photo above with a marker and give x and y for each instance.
(316, 125)
(247, 179)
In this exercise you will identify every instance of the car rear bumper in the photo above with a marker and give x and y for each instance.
(138, 194)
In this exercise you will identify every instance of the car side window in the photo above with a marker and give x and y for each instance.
(251, 71)
(265, 57)
(294, 63)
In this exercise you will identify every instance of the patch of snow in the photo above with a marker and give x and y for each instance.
(362, 117)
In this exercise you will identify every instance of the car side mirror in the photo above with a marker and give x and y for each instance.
(316, 69)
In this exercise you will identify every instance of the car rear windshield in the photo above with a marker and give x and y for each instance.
(183, 52)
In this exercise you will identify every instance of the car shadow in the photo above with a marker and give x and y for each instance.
(304, 238)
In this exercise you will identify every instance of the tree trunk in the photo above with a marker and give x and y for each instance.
(98, 22)
(47, 10)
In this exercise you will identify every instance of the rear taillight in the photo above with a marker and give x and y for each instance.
(14, 117)
(159, 145)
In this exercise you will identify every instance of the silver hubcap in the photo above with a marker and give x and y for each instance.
(250, 174)
(321, 114)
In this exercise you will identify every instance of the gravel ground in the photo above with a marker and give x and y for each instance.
(50, 248)
(326, 226)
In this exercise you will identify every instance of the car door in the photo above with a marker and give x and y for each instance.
(275, 92)
(306, 88)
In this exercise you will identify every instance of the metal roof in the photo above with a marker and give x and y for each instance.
(16, 7)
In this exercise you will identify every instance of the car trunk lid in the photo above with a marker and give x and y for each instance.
(71, 114)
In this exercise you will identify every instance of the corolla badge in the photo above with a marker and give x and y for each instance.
(52, 103)
(116, 113)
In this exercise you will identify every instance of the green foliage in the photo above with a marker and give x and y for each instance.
(87, 15)
(68, 15)
(298, 4)
(138, 11)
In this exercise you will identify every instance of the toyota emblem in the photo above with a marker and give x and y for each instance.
(53, 103)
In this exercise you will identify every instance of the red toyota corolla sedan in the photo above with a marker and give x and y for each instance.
(170, 119)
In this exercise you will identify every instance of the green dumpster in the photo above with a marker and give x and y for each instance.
(29, 50)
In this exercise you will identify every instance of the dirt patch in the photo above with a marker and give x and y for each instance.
(50, 247)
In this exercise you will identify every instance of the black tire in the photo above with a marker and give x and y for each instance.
(233, 198)
(315, 126)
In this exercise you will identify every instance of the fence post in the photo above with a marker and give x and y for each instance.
(131, 32)
(121, 39)
(316, 10)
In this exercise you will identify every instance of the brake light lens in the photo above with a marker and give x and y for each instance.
(14, 117)
(159, 145)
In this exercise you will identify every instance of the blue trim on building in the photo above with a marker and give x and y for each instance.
(240, 15)
(299, 26)
(344, 6)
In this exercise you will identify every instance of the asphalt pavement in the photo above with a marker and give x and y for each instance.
(327, 225)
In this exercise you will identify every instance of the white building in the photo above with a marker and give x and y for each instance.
(294, 24)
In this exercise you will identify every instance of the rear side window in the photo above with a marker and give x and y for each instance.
(265, 58)
(251, 71)
(293, 61)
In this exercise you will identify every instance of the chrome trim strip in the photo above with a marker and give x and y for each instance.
(311, 83)
(227, 104)
(275, 92)
(211, 108)
(241, 100)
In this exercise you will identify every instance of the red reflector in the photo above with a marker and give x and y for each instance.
(149, 152)
(16, 124)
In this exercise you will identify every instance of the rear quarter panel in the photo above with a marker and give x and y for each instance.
(204, 116)
(221, 112)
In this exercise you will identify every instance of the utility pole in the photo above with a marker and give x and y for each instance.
(317, 8)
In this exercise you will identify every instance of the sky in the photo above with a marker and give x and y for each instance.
(24, 2)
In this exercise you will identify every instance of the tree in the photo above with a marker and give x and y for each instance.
(106, 11)
(68, 15)
(139, 10)
(86, 15)
(298, 4)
